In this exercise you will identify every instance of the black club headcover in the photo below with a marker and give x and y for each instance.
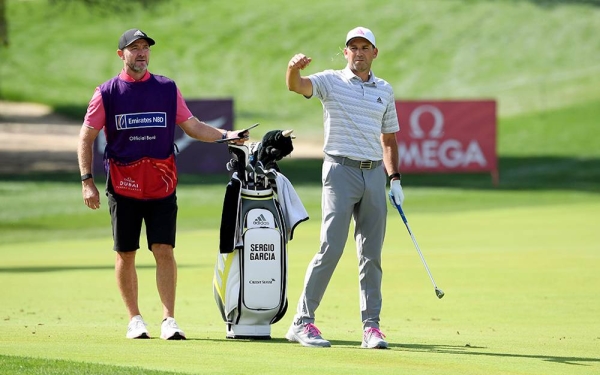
(275, 145)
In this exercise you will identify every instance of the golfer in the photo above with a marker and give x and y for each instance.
(138, 112)
(360, 125)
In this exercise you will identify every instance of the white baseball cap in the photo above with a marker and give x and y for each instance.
(361, 32)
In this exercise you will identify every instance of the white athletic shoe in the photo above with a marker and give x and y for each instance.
(373, 338)
(169, 330)
(136, 329)
(306, 334)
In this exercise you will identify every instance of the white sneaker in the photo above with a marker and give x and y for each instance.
(169, 330)
(136, 329)
(306, 334)
(373, 338)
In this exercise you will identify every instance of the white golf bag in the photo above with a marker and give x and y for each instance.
(250, 279)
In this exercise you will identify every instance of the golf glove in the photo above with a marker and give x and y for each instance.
(396, 192)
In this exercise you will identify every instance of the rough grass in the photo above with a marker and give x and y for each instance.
(529, 55)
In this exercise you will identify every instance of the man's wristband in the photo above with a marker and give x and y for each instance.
(86, 176)
(394, 175)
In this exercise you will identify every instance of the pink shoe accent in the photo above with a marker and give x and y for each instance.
(311, 330)
(374, 332)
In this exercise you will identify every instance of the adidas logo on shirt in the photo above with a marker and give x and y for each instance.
(379, 100)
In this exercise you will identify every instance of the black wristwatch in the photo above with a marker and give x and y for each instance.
(86, 176)
(394, 175)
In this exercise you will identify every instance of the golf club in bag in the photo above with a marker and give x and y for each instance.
(250, 277)
(438, 292)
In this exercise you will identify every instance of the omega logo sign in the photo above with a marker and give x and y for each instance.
(415, 122)
(428, 147)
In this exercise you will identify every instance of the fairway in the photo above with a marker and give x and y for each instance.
(519, 282)
(519, 262)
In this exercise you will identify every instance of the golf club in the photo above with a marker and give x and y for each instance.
(438, 292)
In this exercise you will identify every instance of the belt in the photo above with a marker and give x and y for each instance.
(361, 164)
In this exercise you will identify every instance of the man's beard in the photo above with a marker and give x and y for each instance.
(361, 66)
(137, 69)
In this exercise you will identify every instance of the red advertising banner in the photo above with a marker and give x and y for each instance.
(194, 156)
(447, 136)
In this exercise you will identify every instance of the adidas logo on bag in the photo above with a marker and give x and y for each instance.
(261, 220)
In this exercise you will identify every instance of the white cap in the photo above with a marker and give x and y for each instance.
(361, 32)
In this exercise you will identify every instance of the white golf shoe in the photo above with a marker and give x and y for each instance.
(306, 334)
(169, 330)
(373, 338)
(136, 329)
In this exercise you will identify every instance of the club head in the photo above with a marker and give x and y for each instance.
(439, 293)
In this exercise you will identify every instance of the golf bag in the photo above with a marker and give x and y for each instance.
(250, 278)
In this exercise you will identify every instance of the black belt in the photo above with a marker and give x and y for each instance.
(361, 164)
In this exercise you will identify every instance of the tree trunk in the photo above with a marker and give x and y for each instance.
(3, 24)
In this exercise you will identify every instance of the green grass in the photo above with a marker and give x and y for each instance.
(38, 366)
(564, 132)
(529, 55)
(519, 283)
(518, 262)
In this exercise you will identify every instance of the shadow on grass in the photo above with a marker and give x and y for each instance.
(477, 351)
(516, 173)
(40, 269)
(551, 3)
(439, 349)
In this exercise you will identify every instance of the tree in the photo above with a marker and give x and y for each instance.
(3, 24)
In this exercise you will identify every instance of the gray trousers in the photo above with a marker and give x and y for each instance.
(349, 192)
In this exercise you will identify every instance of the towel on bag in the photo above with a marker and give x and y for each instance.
(293, 210)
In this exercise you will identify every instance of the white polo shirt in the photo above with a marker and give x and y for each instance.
(355, 113)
